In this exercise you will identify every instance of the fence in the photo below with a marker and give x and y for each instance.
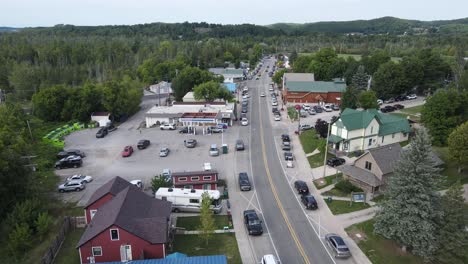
(69, 223)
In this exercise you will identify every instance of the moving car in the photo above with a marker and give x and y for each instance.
(70, 152)
(71, 186)
(269, 259)
(244, 182)
(127, 152)
(309, 202)
(244, 121)
(191, 143)
(167, 127)
(214, 151)
(81, 178)
(142, 144)
(240, 144)
(252, 222)
(102, 132)
(301, 187)
(262, 95)
(337, 245)
(335, 161)
(164, 152)
(69, 162)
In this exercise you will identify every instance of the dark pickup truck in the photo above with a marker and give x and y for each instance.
(252, 222)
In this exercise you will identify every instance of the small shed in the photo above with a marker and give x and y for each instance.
(102, 118)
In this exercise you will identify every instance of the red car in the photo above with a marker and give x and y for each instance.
(127, 152)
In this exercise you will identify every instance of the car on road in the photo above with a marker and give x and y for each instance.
(277, 118)
(301, 187)
(244, 121)
(244, 109)
(335, 161)
(69, 162)
(286, 145)
(252, 222)
(244, 182)
(80, 177)
(190, 143)
(305, 127)
(70, 152)
(262, 95)
(164, 152)
(167, 127)
(337, 245)
(274, 103)
(288, 156)
(71, 186)
(285, 137)
(289, 164)
(127, 152)
(269, 259)
(389, 100)
(214, 151)
(102, 132)
(271, 88)
(240, 145)
(327, 108)
(411, 97)
(142, 144)
(309, 202)
(387, 109)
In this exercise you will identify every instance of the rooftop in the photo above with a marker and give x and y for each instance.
(217, 259)
(113, 187)
(180, 108)
(318, 87)
(386, 156)
(298, 77)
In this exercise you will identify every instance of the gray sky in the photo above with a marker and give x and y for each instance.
(23, 13)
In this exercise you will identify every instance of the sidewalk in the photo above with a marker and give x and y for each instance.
(357, 217)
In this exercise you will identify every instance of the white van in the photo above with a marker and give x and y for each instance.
(269, 259)
(214, 151)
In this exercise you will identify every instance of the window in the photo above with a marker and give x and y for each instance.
(370, 141)
(368, 165)
(97, 251)
(383, 138)
(371, 130)
(188, 187)
(206, 186)
(207, 178)
(194, 201)
(114, 234)
(393, 135)
(182, 178)
(405, 134)
(92, 212)
(195, 178)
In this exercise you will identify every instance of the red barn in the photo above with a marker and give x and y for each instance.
(103, 195)
(302, 88)
(201, 180)
(131, 226)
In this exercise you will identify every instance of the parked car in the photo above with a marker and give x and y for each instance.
(269, 259)
(102, 132)
(398, 106)
(327, 108)
(184, 130)
(312, 111)
(70, 152)
(111, 128)
(335, 107)
(379, 101)
(387, 109)
(214, 151)
(127, 152)
(309, 202)
(318, 109)
(240, 144)
(164, 152)
(288, 156)
(214, 129)
(301, 187)
(335, 161)
(71, 186)
(244, 109)
(411, 97)
(274, 103)
(306, 107)
(337, 245)
(274, 109)
(389, 100)
(137, 183)
(400, 98)
(285, 137)
(206, 166)
(305, 127)
(244, 182)
(277, 118)
(244, 121)
(142, 144)
(80, 177)
(286, 145)
(69, 162)
(252, 222)
(167, 127)
(289, 164)
(191, 143)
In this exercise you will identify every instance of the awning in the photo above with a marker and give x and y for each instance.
(334, 139)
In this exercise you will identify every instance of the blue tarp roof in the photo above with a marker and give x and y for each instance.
(230, 86)
(218, 259)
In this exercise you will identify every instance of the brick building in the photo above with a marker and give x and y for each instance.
(201, 180)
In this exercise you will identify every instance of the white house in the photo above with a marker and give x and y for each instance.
(102, 118)
(230, 75)
(161, 88)
(365, 129)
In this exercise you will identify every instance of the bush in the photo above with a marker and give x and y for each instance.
(25, 212)
(42, 223)
(19, 240)
(347, 187)
(158, 182)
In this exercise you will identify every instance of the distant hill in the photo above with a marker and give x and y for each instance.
(8, 29)
(383, 25)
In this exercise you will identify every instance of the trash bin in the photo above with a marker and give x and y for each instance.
(225, 148)
(329, 199)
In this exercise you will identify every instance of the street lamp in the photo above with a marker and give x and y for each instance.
(326, 151)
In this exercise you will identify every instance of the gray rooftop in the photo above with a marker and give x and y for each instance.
(112, 187)
(360, 174)
(386, 156)
(298, 77)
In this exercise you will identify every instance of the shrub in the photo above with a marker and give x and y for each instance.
(347, 187)
(42, 223)
(158, 182)
(19, 240)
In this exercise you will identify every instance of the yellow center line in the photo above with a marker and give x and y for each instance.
(275, 194)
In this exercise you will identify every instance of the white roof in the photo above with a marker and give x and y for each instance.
(214, 194)
(298, 77)
(191, 108)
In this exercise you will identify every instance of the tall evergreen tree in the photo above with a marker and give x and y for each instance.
(452, 237)
(360, 79)
(411, 211)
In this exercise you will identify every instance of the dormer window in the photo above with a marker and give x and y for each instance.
(114, 234)
(368, 165)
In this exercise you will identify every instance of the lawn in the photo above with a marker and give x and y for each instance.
(378, 249)
(413, 110)
(317, 159)
(292, 113)
(336, 192)
(68, 253)
(220, 244)
(193, 222)
(324, 182)
(309, 140)
(450, 170)
(343, 207)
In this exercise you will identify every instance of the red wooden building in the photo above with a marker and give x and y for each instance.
(302, 88)
(201, 180)
(131, 225)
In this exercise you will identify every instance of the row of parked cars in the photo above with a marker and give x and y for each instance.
(399, 98)
(317, 109)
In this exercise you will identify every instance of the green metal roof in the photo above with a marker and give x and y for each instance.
(334, 139)
(392, 124)
(354, 119)
(389, 124)
(318, 87)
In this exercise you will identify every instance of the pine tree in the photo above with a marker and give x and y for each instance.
(410, 213)
(207, 226)
(360, 79)
(350, 98)
(452, 237)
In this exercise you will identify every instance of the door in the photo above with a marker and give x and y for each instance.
(125, 253)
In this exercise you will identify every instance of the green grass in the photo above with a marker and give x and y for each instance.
(378, 249)
(219, 244)
(193, 222)
(326, 181)
(292, 113)
(379, 199)
(404, 143)
(309, 140)
(317, 159)
(450, 169)
(413, 110)
(343, 207)
(68, 254)
(336, 192)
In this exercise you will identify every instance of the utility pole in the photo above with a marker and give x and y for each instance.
(29, 127)
(326, 151)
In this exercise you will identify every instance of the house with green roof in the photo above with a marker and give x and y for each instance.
(366, 129)
(302, 88)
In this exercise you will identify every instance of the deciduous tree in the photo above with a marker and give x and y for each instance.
(458, 145)
(349, 98)
(388, 80)
(368, 100)
(207, 226)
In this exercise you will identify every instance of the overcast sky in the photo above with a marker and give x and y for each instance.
(24, 13)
